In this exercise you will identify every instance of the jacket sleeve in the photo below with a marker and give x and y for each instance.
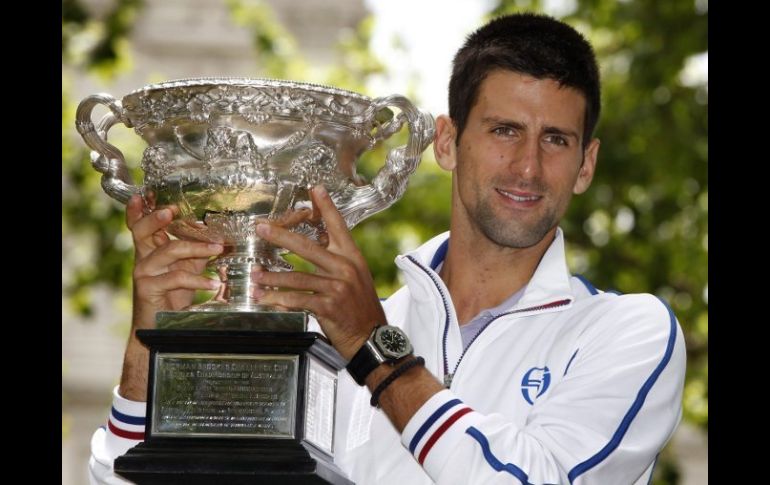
(604, 422)
(124, 430)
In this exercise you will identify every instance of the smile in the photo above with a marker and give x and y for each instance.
(519, 198)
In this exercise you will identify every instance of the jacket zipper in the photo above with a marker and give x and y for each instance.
(555, 304)
(447, 375)
(446, 310)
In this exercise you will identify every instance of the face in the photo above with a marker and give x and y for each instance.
(519, 159)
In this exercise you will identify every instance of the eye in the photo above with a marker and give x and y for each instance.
(504, 131)
(557, 140)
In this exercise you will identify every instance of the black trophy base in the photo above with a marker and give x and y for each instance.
(194, 464)
(191, 361)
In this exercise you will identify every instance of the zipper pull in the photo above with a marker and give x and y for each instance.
(448, 380)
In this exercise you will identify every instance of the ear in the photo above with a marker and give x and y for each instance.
(586, 174)
(444, 145)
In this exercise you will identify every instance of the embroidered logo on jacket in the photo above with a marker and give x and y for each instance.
(535, 382)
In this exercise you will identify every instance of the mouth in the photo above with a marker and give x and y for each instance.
(521, 198)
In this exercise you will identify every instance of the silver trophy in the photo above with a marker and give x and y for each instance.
(226, 154)
(230, 153)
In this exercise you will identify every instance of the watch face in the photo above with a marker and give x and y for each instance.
(392, 342)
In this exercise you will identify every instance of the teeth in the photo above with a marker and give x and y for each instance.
(519, 198)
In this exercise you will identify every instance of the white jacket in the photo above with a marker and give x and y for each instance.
(572, 385)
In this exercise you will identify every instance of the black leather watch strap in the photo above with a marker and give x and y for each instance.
(362, 364)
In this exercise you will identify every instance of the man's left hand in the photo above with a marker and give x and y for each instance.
(340, 294)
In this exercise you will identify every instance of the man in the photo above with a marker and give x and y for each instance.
(530, 375)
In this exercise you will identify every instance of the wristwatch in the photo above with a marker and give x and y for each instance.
(386, 345)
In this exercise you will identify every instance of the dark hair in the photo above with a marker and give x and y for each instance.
(536, 45)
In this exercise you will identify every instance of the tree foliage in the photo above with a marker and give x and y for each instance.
(96, 246)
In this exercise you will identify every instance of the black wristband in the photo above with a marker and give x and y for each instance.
(362, 364)
(400, 370)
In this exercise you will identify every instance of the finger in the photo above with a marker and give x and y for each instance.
(160, 238)
(143, 229)
(174, 280)
(134, 210)
(316, 304)
(159, 260)
(293, 218)
(294, 280)
(336, 226)
(299, 245)
(135, 213)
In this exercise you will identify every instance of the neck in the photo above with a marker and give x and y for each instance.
(481, 274)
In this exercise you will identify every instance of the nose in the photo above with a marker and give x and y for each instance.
(527, 159)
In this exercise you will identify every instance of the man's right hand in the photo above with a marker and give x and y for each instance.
(166, 274)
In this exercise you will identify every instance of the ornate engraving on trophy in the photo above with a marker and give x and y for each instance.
(319, 410)
(156, 164)
(249, 150)
(211, 395)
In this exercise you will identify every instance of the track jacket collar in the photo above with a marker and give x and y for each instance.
(550, 283)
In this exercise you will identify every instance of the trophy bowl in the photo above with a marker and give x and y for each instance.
(228, 153)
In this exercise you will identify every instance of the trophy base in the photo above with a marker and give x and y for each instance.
(230, 463)
(236, 405)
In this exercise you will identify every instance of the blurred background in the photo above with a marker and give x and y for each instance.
(642, 227)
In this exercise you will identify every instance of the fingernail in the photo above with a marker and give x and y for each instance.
(216, 247)
(258, 293)
(263, 229)
(258, 275)
(163, 215)
(214, 284)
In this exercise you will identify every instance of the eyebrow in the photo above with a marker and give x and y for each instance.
(550, 130)
(494, 120)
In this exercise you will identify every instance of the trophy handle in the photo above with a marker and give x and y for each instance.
(390, 182)
(106, 158)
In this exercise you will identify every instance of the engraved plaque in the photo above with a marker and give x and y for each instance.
(224, 395)
(319, 413)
